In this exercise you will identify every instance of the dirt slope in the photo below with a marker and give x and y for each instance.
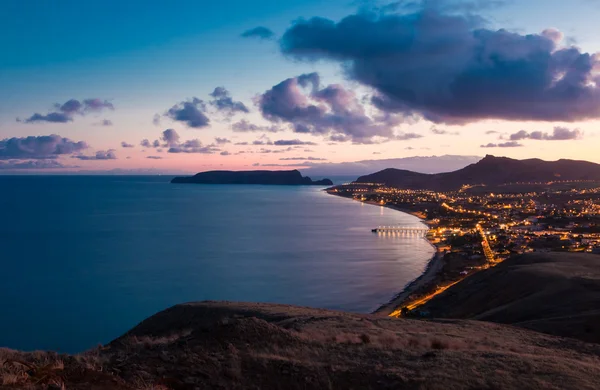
(555, 293)
(221, 345)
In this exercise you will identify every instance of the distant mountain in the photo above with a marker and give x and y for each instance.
(251, 177)
(423, 164)
(489, 171)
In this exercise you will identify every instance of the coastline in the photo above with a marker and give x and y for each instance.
(433, 267)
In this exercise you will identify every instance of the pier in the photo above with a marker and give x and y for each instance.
(421, 231)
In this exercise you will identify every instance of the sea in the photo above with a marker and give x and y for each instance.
(85, 258)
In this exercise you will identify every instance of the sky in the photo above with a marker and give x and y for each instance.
(193, 86)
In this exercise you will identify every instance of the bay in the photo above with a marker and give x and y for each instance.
(85, 258)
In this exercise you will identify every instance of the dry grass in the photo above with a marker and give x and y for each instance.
(237, 346)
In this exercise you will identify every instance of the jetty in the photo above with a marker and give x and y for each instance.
(421, 231)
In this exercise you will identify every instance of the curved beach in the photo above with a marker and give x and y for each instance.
(432, 268)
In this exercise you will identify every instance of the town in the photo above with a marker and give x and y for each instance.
(477, 227)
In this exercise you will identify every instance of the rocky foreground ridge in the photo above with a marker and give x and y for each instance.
(227, 345)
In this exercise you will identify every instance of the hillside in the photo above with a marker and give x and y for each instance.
(251, 177)
(226, 345)
(489, 171)
(555, 293)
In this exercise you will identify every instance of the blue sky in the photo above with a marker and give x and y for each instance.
(145, 57)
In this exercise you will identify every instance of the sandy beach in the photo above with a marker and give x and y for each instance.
(434, 266)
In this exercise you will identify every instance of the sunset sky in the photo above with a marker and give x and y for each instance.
(198, 85)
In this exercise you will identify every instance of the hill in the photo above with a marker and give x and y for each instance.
(489, 171)
(555, 293)
(251, 177)
(228, 345)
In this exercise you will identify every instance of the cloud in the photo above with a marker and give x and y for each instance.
(154, 157)
(38, 147)
(170, 139)
(222, 141)
(292, 142)
(222, 101)
(191, 112)
(508, 144)
(331, 110)
(100, 155)
(55, 117)
(104, 122)
(437, 131)
(225, 153)
(492, 132)
(31, 164)
(156, 120)
(126, 145)
(244, 126)
(65, 112)
(558, 134)
(448, 68)
(303, 159)
(407, 136)
(97, 105)
(259, 32)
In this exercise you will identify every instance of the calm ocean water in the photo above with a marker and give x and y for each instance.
(83, 259)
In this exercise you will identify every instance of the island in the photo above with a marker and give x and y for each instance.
(293, 177)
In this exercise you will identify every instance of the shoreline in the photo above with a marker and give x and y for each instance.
(433, 267)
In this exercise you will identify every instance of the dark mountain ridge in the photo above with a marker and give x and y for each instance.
(293, 177)
(489, 171)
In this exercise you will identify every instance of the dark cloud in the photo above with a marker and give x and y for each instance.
(97, 105)
(492, 132)
(292, 142)
(55, 117)
(31, 164)
(332, 110)
(225, 153)
(126, 145)
(259, 32)
(191, 112)
(244, 126)
(558, 134)
(65, 112)
(508, 144)
(303, 159)
(222, 101)
(156, 120)
(100, 155)
(154, 157)
(40, 147)
(169, 137)
(449, 68)
(222, 141)
(146, 143)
